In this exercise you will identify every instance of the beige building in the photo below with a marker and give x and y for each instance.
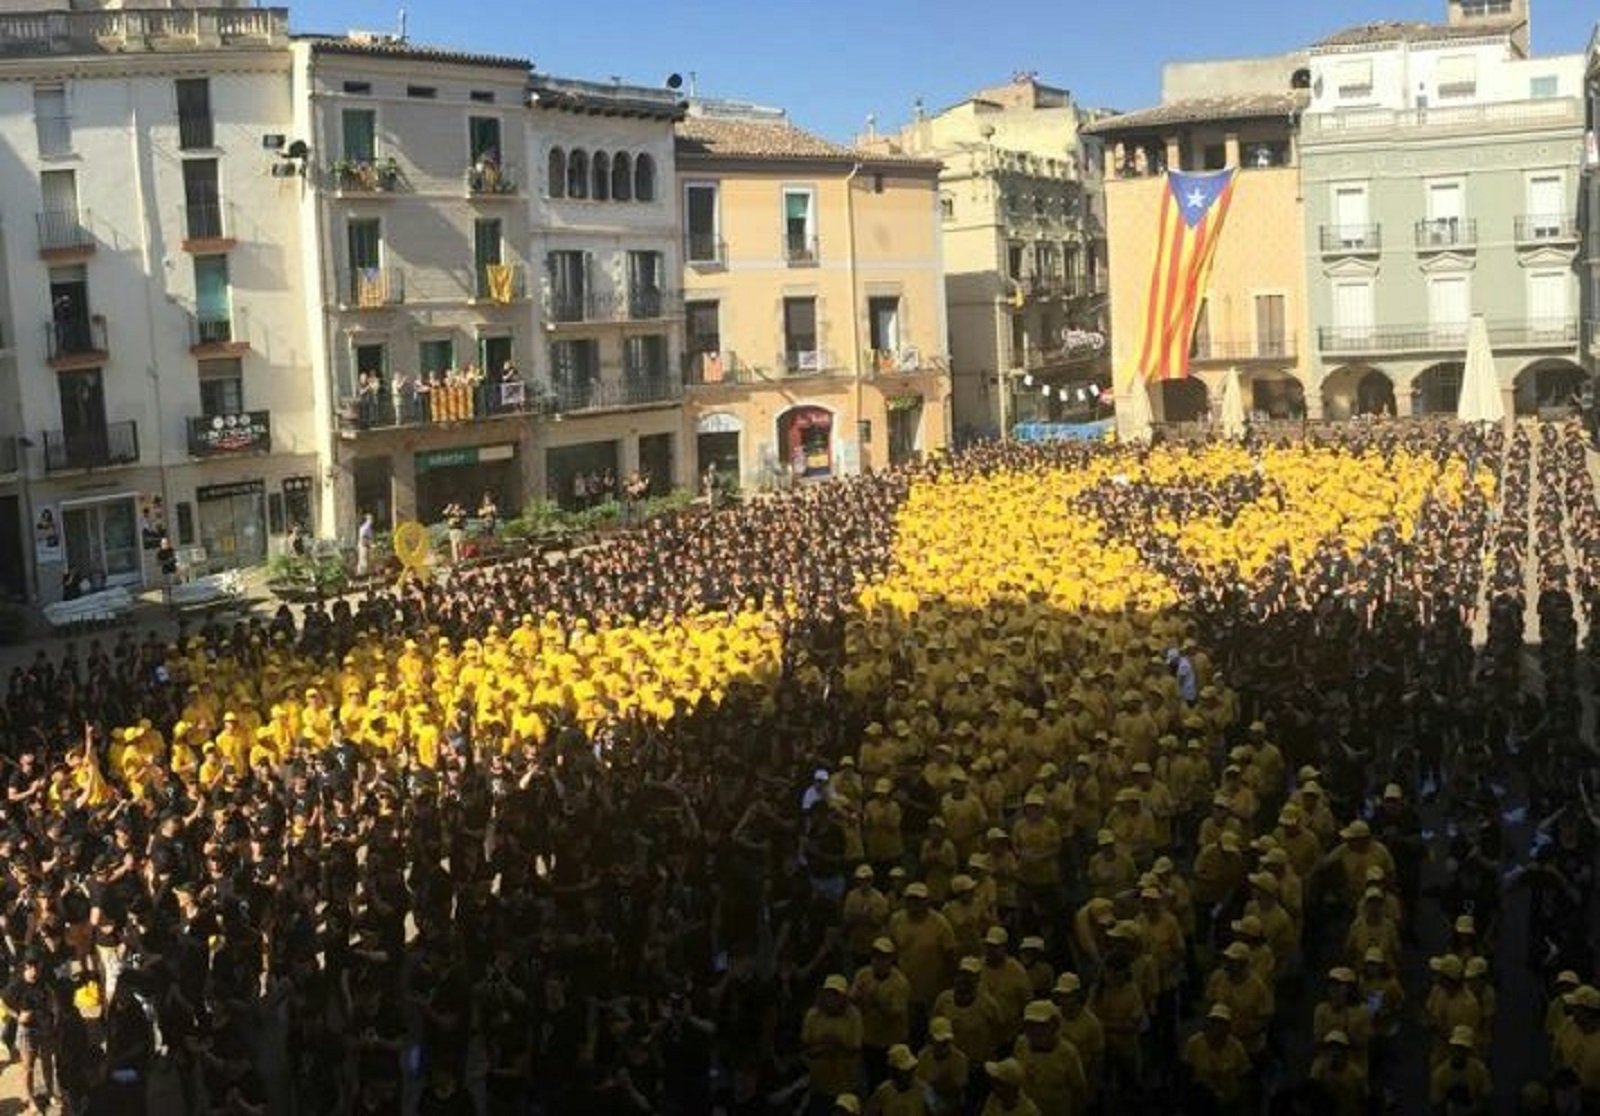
(1023, 229)
(814, 300)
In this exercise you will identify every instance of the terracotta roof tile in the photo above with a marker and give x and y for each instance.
(418, 52)
(1399, 31)
(733, 138)
(1253, 106)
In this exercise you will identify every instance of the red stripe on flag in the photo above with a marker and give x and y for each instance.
(1152, 305)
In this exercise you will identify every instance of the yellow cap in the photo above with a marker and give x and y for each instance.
(1007, 1071)
(1039, 1011)
(836, 983)
(1068, 984)
(940, 1030)
(901, 1058)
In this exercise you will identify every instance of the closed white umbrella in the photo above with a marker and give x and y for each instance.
(1232, 406)
(1481, 400)
(1133, 410)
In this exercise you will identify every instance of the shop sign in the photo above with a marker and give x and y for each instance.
(219, 435)
(429, 460)
(228, 491)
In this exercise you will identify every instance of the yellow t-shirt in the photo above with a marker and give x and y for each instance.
(833, 1050)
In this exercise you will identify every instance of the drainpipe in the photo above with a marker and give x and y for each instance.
(855, 309)
(150, 228)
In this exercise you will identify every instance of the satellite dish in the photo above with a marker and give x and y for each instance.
(674, 81)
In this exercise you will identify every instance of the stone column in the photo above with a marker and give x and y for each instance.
(1230, 147)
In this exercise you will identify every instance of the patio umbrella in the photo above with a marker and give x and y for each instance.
(1232, 406)
(1481, 400)
(1133, 409)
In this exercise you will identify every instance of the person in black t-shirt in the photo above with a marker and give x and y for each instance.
(31, 1001)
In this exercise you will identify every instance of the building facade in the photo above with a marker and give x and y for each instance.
(1022, 221)
(815, 323)
(1440, 169)
(155, 350)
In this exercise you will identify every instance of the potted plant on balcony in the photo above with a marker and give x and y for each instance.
(387, 172)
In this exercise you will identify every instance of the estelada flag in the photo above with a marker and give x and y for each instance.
(1193, 209)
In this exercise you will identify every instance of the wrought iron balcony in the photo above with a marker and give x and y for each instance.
(213, 333)
(375, 177)
(372, 288)
(490, 180)
(64, 232)
(1447, 337)
(1437, 233)
(76, 341)
(799, 250)
(1259, 348)
(207, 226)
(501, 283)
(437, 406)
(806, 362)
(570, 306)
(568, 396)
(1547, 228)
(708, 368)
(705, 250)
(117, 443)
(645, 304)
(1337, 239)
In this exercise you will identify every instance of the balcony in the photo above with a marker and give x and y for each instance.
(117, 443)
(64, 234)
(218, 335)
(1351, 239)
(704, 250)
(230, 435)
(123, 31)
(372, 288)
(365, 177)
(1526, 333)
(437, 406)
(1264, 348)
(568, 307)
(800, 251)
(196, 132)
(1364, 124)
(648, 304)
(207, 227)
(76, 342)
(1553, 228)
(500, 284)
(711, 368)
(637, 304)
(488, 181)
(567, 397)
(807, 362)
(1439, 234)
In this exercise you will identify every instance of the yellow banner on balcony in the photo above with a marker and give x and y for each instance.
(497, 282)
(371, 290)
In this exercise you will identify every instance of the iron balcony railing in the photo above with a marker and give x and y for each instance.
(1538, 228)
(117, 443)
(1446, 337)
(562, 305)
(206, 220)
(649, 303)
(63, 230)
(716, 367)
(369, 288)
(890, 362)
(77, 336)
(1351, 238)
(1262, 348)
(195, 131)
(502, 283)
(445, 404)
(365, 176)
(800, 250)
(567, 396)
(806, 362)
(1446, 232)
(636, 304)
(490, 180)
(210, 328)
(705, 250)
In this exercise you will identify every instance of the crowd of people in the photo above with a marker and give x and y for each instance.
(1039, 779)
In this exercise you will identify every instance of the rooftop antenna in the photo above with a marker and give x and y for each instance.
(916, 109)
(402, 24)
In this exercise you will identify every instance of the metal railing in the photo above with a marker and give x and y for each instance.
(55, 135)
(365, 176)
(502, 283)
(205, 220)
(117, 443)
(704, 249)
(566, 397)
(800, 251)
(211, 328)
(721, 367)
(1536, 228)
(1263, 348)
(649, 303)
(1450, 337)
(891, 362)
(452, 403)
(1365, 123)
(1446, 232)
(66, 338)
(639, 304)
(490, 181)
(573, 306)
(372, 287)
(195, 131)
(64, 230)
(806, 362)
(1351, 238)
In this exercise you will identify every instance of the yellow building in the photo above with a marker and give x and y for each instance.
(1022, 215)
(815, 333)
(1254, 316)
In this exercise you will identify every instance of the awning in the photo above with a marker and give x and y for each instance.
(1353, 74)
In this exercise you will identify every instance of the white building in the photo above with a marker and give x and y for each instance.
(155, 354)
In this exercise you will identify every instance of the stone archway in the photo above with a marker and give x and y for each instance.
(1437, 389)
(1185, 400)
(1277, 398)
(805, 440)
(1548, 387)
(1355, 390)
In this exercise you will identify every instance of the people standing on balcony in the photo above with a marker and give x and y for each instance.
(369, 390)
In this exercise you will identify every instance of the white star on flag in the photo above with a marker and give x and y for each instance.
(1196, 199)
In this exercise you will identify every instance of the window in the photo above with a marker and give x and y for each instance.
(799, 231)
(486, 242)
(574, 372)
(201, 198)
(1353, 79)
(494, 354)
(1445, 214)
(359, 88)
(1350, 216)
(1200, 344)
(700, 218)
(800, 334)
(1272, 339)
(1544, 87)
(644, 285)
(1352, 310)
(483, 138)
(702, 327)
(645, 358)
(364, 240)
(947, 207)
(883, 323)
(568, 274)
(371, 361)
(436, 355)
(1547, 301)
(1014, 261)
(1046, 262)
(556, 173)
(481, 96)
(194, 113)
(50, 120)
(422, 92)
(621, 177)
(602, 177)
(83, 405)
(577, 174)
(1547, 204)
(1449, 306)
(644, 179)
(359, 132)
(1214, 157)
(211, 300)
(221, 388)
(877, 184)
(1456, 76)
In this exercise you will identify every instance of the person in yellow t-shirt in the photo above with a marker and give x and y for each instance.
(1337, 1070)
(1347, 1013)
(882, 994)
(1037, 837)
(864, 913)
(1248, 999)
(1006, 1093)
(831, 1036)
(1579, 1049)
(901, 1094)
(977, 1017)
(942, 1068)
(1081, 1027)
(1460, 1070)
(1054, 1075)
(1449, 1006)
(881, 834)
(1005, 979)
(925, 943)
(1217, 1061)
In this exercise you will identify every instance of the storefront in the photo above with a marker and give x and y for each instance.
(805, 436)
(717, 444)
(102, 540)
(463, 474)
(905, 428)
(233, 523)
(574, 475)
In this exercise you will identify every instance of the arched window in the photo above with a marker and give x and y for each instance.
(602, 177)
(621, 177)
(558, 173)
(644, 179)
(577, 174)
